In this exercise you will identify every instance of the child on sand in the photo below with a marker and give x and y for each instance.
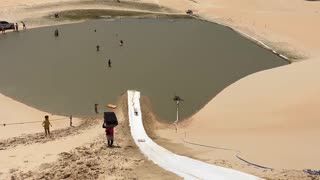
(110, 135)
(46, 123)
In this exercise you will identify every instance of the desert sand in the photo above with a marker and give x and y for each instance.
(270, 116)
(78, 153)
(16, 112)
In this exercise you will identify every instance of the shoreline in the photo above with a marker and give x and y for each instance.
(247, 36)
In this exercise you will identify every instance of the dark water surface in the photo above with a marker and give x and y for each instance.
(160, 57)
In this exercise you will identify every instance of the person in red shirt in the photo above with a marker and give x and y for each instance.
(110, 135)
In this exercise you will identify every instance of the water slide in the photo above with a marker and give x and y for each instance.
(182, 166)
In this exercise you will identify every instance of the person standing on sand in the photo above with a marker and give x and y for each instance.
(46, 124)
(110, 135)
(3, 30)
(70, 117)
(23, 25)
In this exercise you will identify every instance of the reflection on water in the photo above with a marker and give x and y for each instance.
(160, 57)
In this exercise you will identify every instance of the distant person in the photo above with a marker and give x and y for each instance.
(23, 25)
(56, 33)
(3, 30)
(95, 30)
(98, 48)
(96, 108)
(46, 124)
(110, 135)
(56, 15)
(121, 43)
(17, 27)
(109, 62)
(70, 120)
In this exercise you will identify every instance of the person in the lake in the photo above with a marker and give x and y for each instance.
(109, 63)
(96, 108)
(56, 33)
(121, 43)
(46, 124)
(110, 135)
(98, 48)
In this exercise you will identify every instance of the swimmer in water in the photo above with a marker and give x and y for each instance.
(56, 33)
(109, 62)
(121, 43)
(98, 48)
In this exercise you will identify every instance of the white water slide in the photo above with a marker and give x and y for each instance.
(182, 166)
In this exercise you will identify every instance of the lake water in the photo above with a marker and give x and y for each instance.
(161, 58)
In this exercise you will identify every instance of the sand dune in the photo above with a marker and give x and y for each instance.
(270, 116)
(79, 153)
(15, 112)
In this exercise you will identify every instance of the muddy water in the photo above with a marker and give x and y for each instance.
(160, 57)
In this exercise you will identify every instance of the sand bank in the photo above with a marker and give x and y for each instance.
(185, 167)
(270, 116)
(81, 156)
(16, 112)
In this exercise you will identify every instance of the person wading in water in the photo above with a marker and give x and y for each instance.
(109, 62)
(56, 33)
(96, 108)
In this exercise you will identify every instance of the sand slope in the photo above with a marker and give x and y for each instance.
(275, 125)
(15, 112)
(271, 116)
(80, 155)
